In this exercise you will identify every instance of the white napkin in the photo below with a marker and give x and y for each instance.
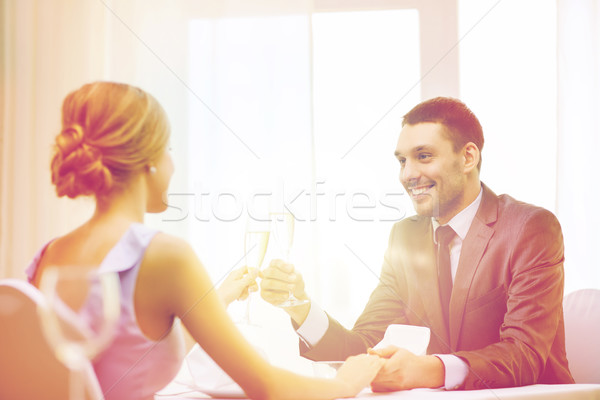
(410, 337)
(206, 376)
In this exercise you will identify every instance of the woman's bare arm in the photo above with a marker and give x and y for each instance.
(185, 290)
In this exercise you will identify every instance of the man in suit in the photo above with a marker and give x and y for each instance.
(491, 291)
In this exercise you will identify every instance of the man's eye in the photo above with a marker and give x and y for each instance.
(424, 156)
(402, 161)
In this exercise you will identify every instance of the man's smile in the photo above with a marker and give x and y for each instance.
(416, 191)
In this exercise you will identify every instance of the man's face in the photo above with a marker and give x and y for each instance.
(431, 171)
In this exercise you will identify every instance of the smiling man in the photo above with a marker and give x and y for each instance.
(483, 272)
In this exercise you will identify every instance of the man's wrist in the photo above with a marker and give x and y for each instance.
(455, 370)
(299, 313)
(314, 326)
(436, 372)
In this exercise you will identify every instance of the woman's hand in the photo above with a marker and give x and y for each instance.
(358, 372)
(238, 285)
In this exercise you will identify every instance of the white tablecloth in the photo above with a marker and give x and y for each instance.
(182, 386)
(538, 392)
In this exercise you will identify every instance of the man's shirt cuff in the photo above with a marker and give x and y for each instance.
(315, 325)
(456, 370)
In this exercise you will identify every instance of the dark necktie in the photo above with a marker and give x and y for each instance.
(444, 235)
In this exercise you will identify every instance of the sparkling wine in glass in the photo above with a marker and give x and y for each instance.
(79, 319)
(282, 228)
(255, 248)
(256, 241)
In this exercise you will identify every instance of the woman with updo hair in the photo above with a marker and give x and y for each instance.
(113, 146)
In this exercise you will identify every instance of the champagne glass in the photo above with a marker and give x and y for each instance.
(282, 227)
(79, 319)
(256, 241)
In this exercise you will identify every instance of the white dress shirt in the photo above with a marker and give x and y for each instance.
(316, 324)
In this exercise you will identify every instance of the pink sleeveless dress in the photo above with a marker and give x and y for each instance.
(133, 366)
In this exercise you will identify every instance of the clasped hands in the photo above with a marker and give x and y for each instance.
(398, 369)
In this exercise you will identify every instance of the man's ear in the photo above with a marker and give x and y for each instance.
(471, 156)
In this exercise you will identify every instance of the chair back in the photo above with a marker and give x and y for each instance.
(582, 334)
(29, 368)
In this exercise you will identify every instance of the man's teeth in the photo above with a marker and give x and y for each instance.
(420, 190)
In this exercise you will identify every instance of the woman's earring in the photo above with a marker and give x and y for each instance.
(152, 169)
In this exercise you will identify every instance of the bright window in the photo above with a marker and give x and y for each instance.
(303, 113)
(508, 78)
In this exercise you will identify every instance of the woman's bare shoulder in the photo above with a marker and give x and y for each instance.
(169, 248)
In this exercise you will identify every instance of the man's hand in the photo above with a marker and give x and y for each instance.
(278, 280)
(404, 370)
(238, 285)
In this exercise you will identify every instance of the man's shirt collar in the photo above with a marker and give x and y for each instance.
(462, 221)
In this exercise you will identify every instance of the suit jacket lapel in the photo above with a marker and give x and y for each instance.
(473, 247)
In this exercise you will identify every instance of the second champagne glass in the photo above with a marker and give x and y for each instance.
(282, 226)
(79, 320)
(256, 241)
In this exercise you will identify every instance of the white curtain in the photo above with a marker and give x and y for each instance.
(578, 192)
(50, 48)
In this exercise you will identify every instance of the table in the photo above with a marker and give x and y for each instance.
(283, 357)
(533, 392)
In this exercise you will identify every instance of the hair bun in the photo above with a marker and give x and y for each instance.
(70, 138)
(77, 167)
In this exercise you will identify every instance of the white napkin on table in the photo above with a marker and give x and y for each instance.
(410, 337)
(206, 376)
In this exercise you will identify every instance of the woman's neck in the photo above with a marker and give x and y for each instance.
(127, 205)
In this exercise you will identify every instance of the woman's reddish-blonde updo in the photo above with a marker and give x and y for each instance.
(110, 132)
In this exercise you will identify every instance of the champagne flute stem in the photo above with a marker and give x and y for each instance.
(92, 386)
(247, 316)
(77, 382)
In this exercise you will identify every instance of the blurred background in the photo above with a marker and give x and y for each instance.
(298, 104)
